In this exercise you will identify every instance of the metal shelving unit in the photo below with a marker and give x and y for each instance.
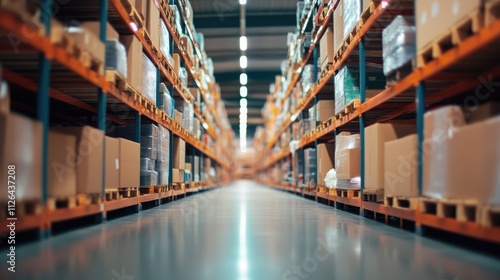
(55, 66)
(452, 73)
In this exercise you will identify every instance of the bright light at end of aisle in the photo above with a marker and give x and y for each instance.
(243, 61)
(243, 79)
(243, 43)
(243, 91)
(243, 2)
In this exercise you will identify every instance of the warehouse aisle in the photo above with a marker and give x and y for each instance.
(244, 232)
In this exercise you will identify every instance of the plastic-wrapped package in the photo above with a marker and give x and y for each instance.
(148, 79)
(162, 168)
(149, 141)
(331, 179)
(308, 77)
(116, 57)
(398, 41)
(149, 178)
(148, 130)
(163, 144)
(166, 101)
(178, 19)
(210, 66)
(149, 152)
(187, 176)
(200, 39)
(310, 160)
(164, 40)
(283, 67)
(439, 127)
(147, 164)
(352, 9)
(347, 157)
(183, 76)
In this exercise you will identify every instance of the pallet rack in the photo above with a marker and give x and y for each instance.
(452, 73)
(56, 68)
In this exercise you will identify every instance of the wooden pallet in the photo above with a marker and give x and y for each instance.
(88, 199)
(153, 189)
(460, 210)
(321, 189)
(61, 202)
(60, 38)
(31, 20)
(112, 76)
(373, 195)
(367, 13)
(399, 74)
(490, 216)
(91, 62)
(348, 193)
(115, 194)
(349, 108)
(491, 12)
(401, 202)
(461, 31)
(22, 209)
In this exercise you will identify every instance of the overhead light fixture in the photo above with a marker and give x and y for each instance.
(243, 2)
(243, 43)
(134, 27)
(243, 102)
(243, 110)
(243, 61)
(205, 125)
(243, 79)
(243, 91)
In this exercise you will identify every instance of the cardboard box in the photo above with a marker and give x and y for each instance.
(182, 175)
(483, 112)
(176, 176)
(177, 63)
(196, 94)
(338, 26)
(178, 117)
(134, 61)
(326, 48)
(112, 159)
(130, 163)
(179, 153)
(375, 138)
(21, 145)
(439, 127)
(95, 28)
(401, 167)
(153, 23)
(141, 6)
(474, 163)
(62, 163)
(326, 160)
(189, 167)
(90, 155)
(434, 18)
(325, 109)
(347, 163)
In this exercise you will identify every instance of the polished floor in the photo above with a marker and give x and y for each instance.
(244, 232)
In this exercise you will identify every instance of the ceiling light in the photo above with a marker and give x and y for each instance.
(243, 79)
(243, 2)
(243, 110)
(243, 61)
(243, 91)
(243, 43)
(243, 102)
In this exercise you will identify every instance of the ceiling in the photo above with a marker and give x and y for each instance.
(267, 25)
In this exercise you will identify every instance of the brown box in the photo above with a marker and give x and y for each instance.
(141, 6)
(179, 153)
(401, 165)
(95, 28)
(439, 126)
(326, 48)
(177, 116)
(112, 159)
(325, 160)
(189, 167)
(338, 26)
(435, 18)
(134, 61)
(182, 172)
(61, 177)
(474, 163)
(325, 109)
(177, 63)
(90, 156)
(153, 23)
(21, 145)
(376, 136)
(186, 43)
(196, 94)
(483, 112)
(130, 163)
(176, 176)
(347, 163)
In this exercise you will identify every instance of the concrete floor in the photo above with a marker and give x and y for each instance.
(246, 232)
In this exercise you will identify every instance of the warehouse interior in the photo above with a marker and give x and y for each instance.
(249, 139)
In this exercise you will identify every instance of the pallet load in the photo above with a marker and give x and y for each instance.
(167, 103)
(308, 78)
(441, 24)
(92, 48)
(21, 146)
(149, 154)
(134, 61)
(310, 159)
(177, 18)
(326, 161)
(162, 166)
(375, 138)
(165, 43)
(152, 25)
(326, 48)
(187, 111)
(148, 79)
(347, 161)
(112, 163)
(398, 48)
(347, 86)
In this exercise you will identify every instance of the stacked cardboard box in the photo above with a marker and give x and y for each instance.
(401, 167)
(134, 61)
(326, 48)
(112, 166)
(148, 79)
(163, 160)
(347, 160)
(326, 160)
(149, 154)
